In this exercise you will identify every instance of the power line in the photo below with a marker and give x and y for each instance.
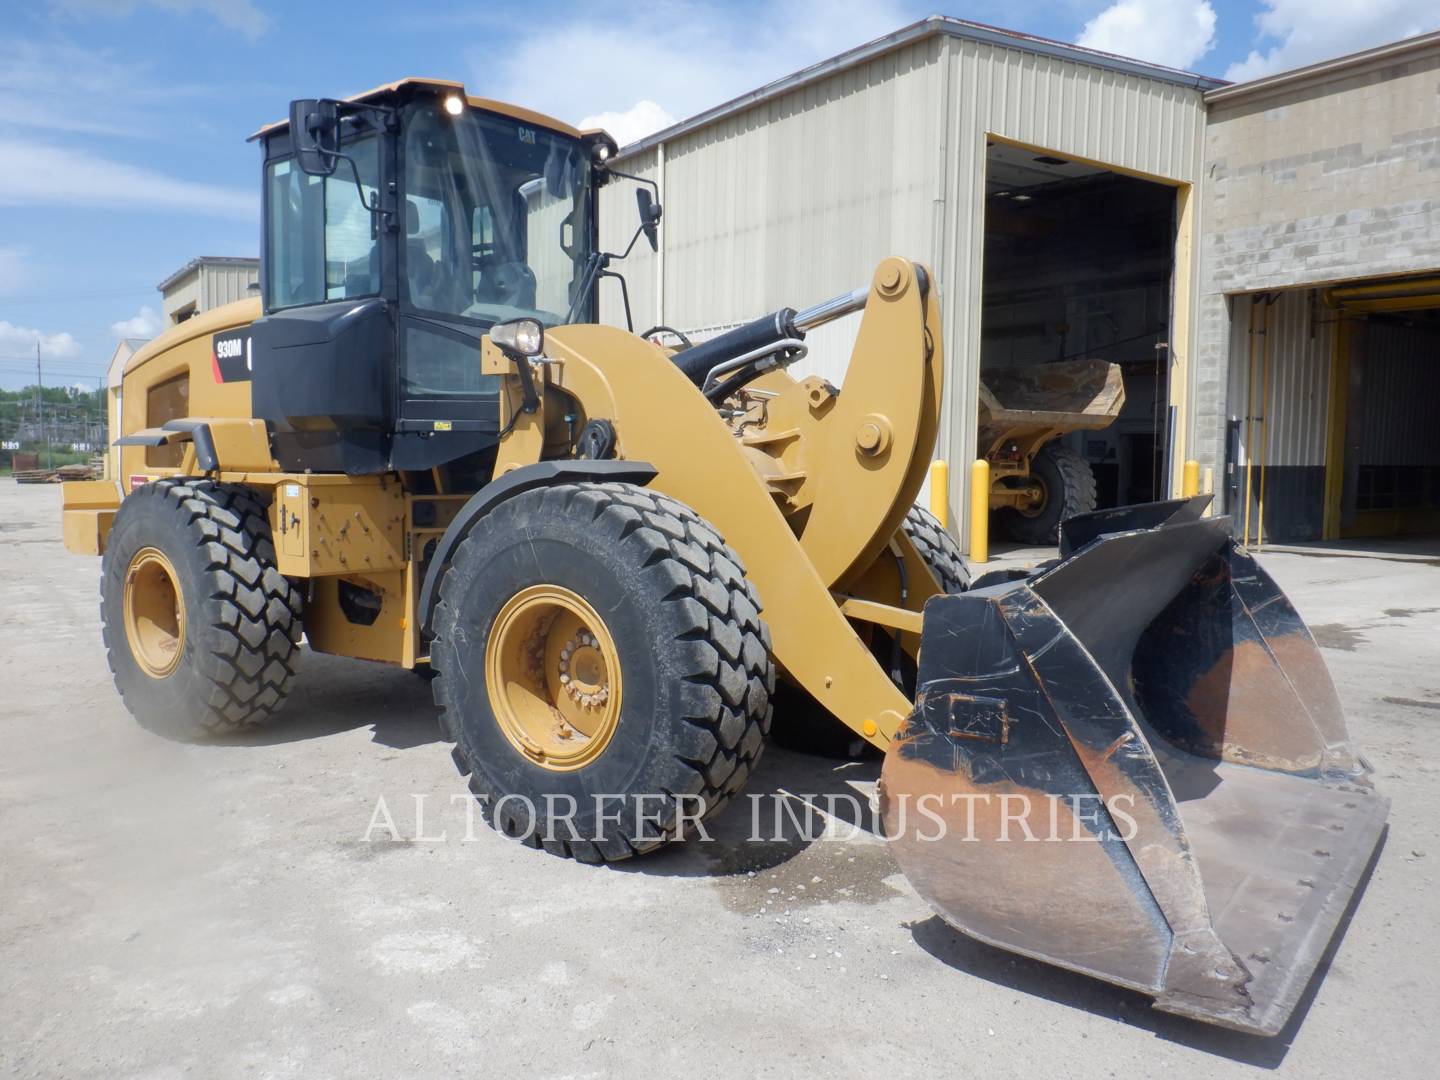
(80, 376)
(52, 299)
(69, 369)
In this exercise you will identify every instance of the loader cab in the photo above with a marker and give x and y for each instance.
(398, 228)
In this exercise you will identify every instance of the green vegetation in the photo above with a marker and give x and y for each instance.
(70, 416)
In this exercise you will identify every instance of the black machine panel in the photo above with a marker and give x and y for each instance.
(321, 377)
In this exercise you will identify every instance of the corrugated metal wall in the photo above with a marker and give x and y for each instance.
(1301, 340)
(799, 197)
(226, 284)
(790, 202)
(1282, 414)
(1400, 384)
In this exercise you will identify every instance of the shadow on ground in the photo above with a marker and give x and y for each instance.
(332, 694)
(1027, 976)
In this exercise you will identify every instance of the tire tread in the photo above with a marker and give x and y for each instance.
(728, 675)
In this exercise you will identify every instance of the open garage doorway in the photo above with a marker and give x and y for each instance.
(1074, 338)
(1332, 393)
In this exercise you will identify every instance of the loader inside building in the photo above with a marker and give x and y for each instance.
(1078, 266)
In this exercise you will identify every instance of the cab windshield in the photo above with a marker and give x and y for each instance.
(496, 216)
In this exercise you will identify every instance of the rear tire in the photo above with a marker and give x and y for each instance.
(1069, 490)
(200, 627)
(804, 725)
(678, 620)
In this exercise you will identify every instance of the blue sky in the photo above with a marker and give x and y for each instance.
(123, 122)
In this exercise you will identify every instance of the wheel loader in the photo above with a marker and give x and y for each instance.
(1036, 482)
(418, 446)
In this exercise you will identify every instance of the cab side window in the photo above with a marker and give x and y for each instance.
(321, 238)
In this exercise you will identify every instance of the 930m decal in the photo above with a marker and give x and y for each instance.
(230, 355)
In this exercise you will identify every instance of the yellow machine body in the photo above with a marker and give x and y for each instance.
(809, 484)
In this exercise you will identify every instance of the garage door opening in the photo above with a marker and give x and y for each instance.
(1078, 270)
(1332, 431)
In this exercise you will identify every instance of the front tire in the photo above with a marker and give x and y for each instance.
(200, 627)
(602, 669)
(1069, 485)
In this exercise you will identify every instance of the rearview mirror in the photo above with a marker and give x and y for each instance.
(315, 134)
(649, 216)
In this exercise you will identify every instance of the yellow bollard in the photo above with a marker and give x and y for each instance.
(1190, 484)
(980, 511)
(940, 492)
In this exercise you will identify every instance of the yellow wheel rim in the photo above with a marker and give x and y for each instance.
(154, 613)
(553, 677)
(1035, 508)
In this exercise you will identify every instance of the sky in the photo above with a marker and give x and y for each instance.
(123, 122)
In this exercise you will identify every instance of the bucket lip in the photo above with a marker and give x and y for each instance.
(1078, 531)
(1219, 526)
(1275, 989)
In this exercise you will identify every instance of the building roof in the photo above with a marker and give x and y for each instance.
(209, 260)
(1339, 67)
(935, 25)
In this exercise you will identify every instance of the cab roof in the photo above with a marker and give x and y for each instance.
(529, 116)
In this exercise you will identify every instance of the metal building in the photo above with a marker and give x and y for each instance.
(935, 142)
(204, 283)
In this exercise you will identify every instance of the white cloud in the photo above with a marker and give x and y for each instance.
(145, 323)
(12, 269)
(36, 174)
(641, 119)
(683, 56)
(58, 87)
(242, 16)
(1304, 31)
(19, 342)
(1174, 33)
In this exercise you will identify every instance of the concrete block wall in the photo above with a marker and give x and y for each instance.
(1313, 179)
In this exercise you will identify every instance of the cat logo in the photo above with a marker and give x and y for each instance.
(527, 135)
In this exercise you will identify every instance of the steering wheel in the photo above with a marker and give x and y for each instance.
(513, 283)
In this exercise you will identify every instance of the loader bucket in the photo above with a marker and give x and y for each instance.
(1133, 764)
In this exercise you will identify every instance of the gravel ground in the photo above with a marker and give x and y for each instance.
(172, 909)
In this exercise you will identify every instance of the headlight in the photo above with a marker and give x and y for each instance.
(519, 337)
(454, 104)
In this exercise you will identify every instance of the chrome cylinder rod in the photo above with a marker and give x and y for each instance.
(830, 310)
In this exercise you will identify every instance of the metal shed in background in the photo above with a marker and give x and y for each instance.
(794, 192)
(204, 283)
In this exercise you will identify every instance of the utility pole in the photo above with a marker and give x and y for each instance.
(40, 400)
